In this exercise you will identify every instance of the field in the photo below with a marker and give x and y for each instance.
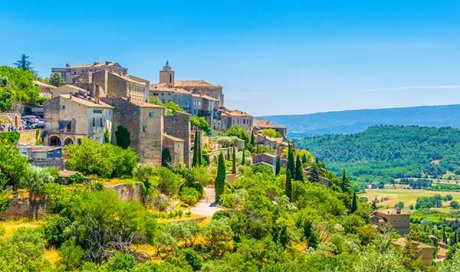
(389, 197)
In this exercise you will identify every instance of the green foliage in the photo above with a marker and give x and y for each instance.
(106, 136)
(55, 79)
(291, 160)
(170, 108)
(288, 185)
(105, 160)
(233, 160)
(54, 230)
(219, 183)
(190, 196)
(16, 86)
(385, 153)
(71, 255)
(195, 261)
(298, 170)
(24, 63)
(169, 183)
(238, 132)
(200, 123)
(121, 262)
(13, 166)
(123, 137)
(426, 202)
(9, 137)
(354, 204)
(197, 150)
(271, 133)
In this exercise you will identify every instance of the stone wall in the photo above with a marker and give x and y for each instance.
(128, 192)
(21, 207)
(176, 149)
(27, 137)
(10, 119)
(178, 125)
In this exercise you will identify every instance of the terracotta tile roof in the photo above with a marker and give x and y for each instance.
(145, 104)
(205, 97)
(390, 212)
(127, 78)
(94, 65)
(85, 102)
(265, 124)
(402, 241)
(235, 113)
(193, 83)
(73, 87)
(42, 85)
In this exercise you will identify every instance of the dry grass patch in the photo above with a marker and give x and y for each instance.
(12, 225)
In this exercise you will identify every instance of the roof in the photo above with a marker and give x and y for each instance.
(145, 104)
(85, 102)
(43, 85)
(172, 138)
(402, 241)
(205, 97)
(265, 124)
(94, 65)
(235, 113)
(73, 87)
(390, 212)
(160, 88)
(193, 83)
(67, 173)
(127, 78)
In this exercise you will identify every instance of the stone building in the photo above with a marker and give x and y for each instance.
(175, 148)
(398, 219)
(259, 125)
(205, 106)
(70, 118)
(81, 75)
(46, 90)
(167, 94)
(228, 118)
(109, 84)
(426, 251)
(67, 89)
(178, 125)
(144, 122)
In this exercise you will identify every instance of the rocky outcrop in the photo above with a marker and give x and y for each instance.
(21, 207)
(128, 191)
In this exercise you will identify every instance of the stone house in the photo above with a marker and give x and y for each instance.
(110, 84)
(259, 125)
(166, 94)
(67, 89)
(228, 118)
(81, 75)
(144, 122)
(426, 251)
(70, 118)
(266, 159)
(46, 90)
(175, 146)
(398, 219)
(178, 125)
(205, 106)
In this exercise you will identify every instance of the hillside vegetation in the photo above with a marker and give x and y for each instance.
(385, 153)
(354, 121)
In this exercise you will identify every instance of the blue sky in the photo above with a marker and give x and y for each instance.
(272, 57)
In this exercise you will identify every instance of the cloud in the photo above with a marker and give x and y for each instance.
(412, 88)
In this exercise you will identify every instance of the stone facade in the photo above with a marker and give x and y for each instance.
(144, 122)
(21, 207)
(46, 90)
(260, 125)
(175, 146)
(81, 75)
(109, 84)
(395, 217)
(202, 87)
(70, 118)
(228, 118)
(178, 125)
(166, 94)
(128, 192)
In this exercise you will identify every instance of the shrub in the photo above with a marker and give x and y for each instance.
(71, 255)
(190, 196)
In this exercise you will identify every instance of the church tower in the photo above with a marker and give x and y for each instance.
(167, 75)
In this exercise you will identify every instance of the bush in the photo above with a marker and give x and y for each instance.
(71, 255)
(193, 259)
(169, 183)
(54, 230)
(121, 262)
(190, 196)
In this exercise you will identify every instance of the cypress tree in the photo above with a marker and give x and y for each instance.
(314, 173)
(304, 158)
(310, 235)
(277, 166)
(284, 239)
(199, 153)
(298, 169)
(444, 236)
(219, 183)
(291, 162)
(354, 203)
(253, 141)
(195, 150)
(345, 182)
(243, 159)
(288, 185)
(454, 239)
(234, 161)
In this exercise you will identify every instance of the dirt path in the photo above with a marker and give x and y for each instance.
(206, 205)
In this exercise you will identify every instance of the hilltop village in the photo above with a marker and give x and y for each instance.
(107, 171)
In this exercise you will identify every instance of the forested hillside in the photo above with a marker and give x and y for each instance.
(354, 121)
(383, 153)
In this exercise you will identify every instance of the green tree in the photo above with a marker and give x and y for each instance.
(277, 166)
(344, 182)
(454, 205)
(123, 137)
(253, 141)
(314, 173)
(399, 205)
(238, 132)
(291, 161)
(24, 63)
(200, 123)
(121, 262)
(354, 203)
(233, 160)
(71, 255)
(55, 79)
(219, 183)
(106, 136)
(16, 86)
(193, 259)
(13, 166)
(304, 158)
(298, 170)
(288, 188)
(243, 157)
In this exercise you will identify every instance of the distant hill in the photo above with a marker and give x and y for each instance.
(384, 153)
(353, 121)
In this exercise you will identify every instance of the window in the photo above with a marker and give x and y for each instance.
(94, 122)
(102, 123)
(63, 107)
(151, 114)
(97, 111)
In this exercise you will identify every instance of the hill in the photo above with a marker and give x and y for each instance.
(383, 153)
(353, 121)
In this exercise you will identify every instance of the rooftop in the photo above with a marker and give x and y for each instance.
(94, 65)
(235, 113)
(163, 88)
(42, 85)
(85, 102)
(73, 87)
(391, 212)
(205, 97)
(172, 138)
(265, 124)
(402, 241)
(193, 83)
(127, 78)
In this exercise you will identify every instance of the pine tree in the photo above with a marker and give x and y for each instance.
(234, 161)
(454, 239)
(219, 184)
(284, 239)
(106, 137)
(24, 63)
(288, 185)
(354, 203)
(298, 169)
(304, 158)
(277, 166)
(345, 182)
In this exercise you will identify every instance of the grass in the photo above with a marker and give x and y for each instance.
(12, 225)
(52, 255)
(408, 196)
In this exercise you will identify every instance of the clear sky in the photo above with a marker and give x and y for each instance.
(272, 57)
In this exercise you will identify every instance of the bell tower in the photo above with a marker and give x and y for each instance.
(167, 75)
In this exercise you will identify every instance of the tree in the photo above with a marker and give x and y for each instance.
(288, 188)
(16, 86)
(310, 235)
(197, 150)
(277, 166)
(71, 255)
(299, 170)
(233, 160)
(123, 137)
(200, 123)
(243, 157)
(314, 173)
(454, 205)
(253, 142)
(354, 204)
(219, 183)
(345, 182)
(291, 162)
(399, 205)
(304, 158)
(13, 166)
(218, 231)
(106, 136)
(24, 63)
(238, 132)
(55, 79)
